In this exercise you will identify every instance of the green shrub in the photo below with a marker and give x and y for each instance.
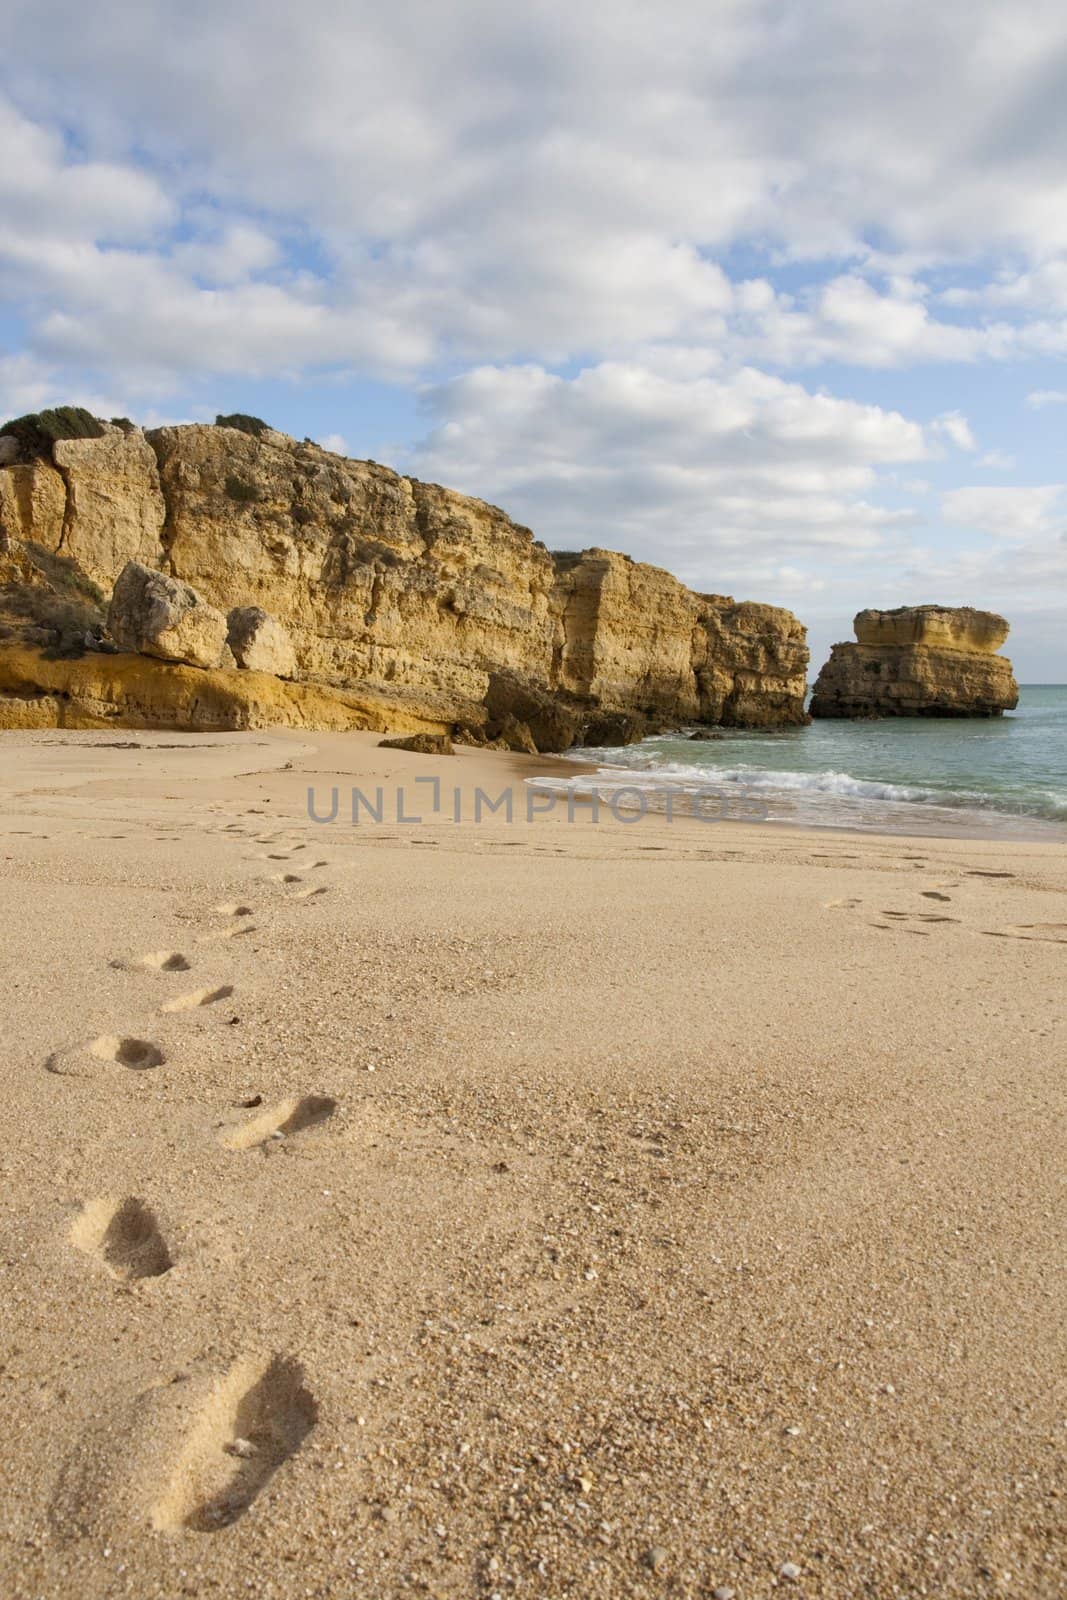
(244, 424)
(38, 431)
(58, 625)
(246, 494)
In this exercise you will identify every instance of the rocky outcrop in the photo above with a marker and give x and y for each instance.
(259, 642)
(160, 616)
(33, 504)
(114, 509)
(39, 690)
(936, 627)
(406, 590)
(635, 639)
(919, 661)
(421, 744)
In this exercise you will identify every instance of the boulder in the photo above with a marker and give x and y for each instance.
(159, 616)
(259, 642)
(423, 744)
(919, 661)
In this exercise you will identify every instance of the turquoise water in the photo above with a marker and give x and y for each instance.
(1005, 775)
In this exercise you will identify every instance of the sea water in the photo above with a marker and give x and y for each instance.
(997, 776)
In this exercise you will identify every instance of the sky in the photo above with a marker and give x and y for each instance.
(771, 294)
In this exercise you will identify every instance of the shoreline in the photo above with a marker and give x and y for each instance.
(483, 764)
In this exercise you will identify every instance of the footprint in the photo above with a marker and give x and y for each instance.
(306, 894)
(198, 997)
(932, 894)
(125, 1235)
(285, 877)
(225, 933)
(232, 908)
(257, 1417)
(163, 961)
(1037, 932)
(137, 1054)
(287, 1117)
(841, 905)
(978, 873)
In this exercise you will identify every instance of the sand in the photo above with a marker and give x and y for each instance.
(533, 1210)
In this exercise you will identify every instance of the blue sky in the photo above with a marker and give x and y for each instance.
(773, 296)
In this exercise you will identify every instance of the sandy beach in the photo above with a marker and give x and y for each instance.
(544, 1209)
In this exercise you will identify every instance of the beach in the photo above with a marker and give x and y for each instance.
(555, 1207)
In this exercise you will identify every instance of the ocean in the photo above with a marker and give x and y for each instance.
(996, 777)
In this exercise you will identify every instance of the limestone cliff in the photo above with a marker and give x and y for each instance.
(919, 661)
(409, 592)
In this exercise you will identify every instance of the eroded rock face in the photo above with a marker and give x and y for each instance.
(33, 504)
(919, 661)
(159, 616)
(937, 627)
(259, 642)
(435, 600)
(38, 690)
(114, 506)
(636, 639)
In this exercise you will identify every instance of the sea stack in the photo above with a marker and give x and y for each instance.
(919, 661)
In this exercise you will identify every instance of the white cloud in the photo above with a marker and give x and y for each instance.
(1040, 398)
(726, 480)
(47, 192)
(335, 442)
(1007, 512)
(614, 223)
(473, 184)
(955, 427)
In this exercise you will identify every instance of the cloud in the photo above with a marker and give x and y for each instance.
(955, 427)
(599, 242)
(48, 192)
(335, 442)
(722, 479)
(471, 184)
(1007, 512)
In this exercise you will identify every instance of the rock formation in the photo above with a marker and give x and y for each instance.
(259, 642)
(159, 616)
(396, 591)
(919, 661)
(420, 744)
